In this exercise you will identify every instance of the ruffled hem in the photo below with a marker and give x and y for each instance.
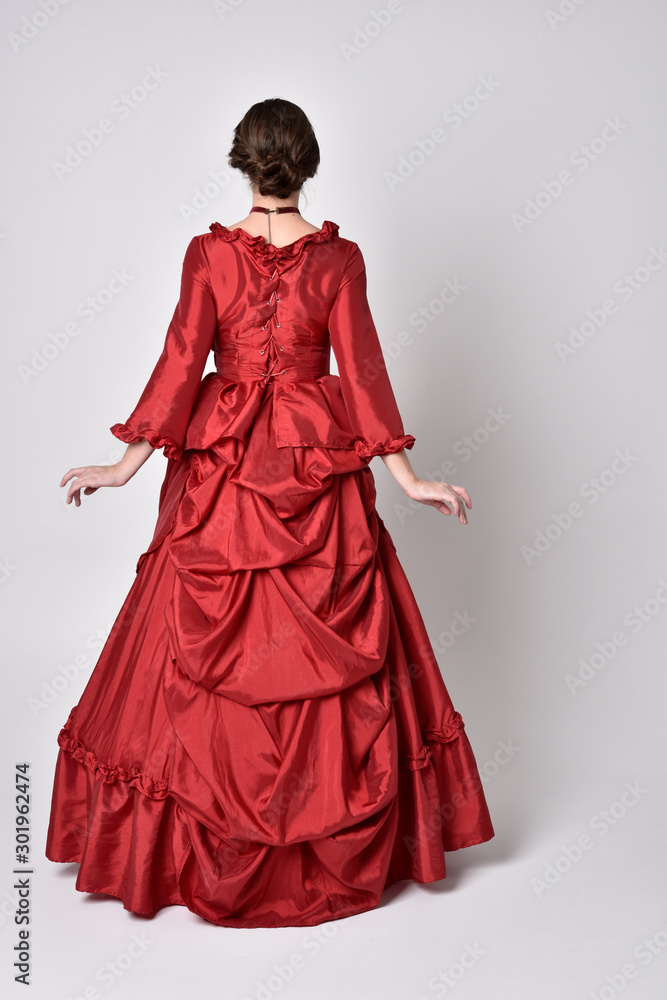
(269, 252)
(110, 772)
(151, 852)
(385, 447)
(160, 789)
(125, 433)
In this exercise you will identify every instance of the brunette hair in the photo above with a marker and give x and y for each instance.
(274, 145)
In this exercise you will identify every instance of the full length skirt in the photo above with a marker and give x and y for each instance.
(266, 737)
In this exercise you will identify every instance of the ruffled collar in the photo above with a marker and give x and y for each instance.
(267, 251)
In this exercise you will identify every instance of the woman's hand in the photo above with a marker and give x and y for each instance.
(90, 477)
(438, 495)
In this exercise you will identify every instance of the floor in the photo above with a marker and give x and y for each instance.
(566, 902)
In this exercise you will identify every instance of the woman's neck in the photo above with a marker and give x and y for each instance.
(271, 201)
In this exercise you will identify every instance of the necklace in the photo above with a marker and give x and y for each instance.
(267, 211)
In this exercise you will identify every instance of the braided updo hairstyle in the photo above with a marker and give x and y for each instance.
(274, 145)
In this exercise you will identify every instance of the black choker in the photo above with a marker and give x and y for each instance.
(267, 211)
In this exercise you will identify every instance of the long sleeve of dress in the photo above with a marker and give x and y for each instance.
(161, 416)
(367, 392)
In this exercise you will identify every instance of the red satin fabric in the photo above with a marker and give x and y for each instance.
(266, 737)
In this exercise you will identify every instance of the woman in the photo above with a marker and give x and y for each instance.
(266, 737)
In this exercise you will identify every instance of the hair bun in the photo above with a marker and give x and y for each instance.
(274, 145)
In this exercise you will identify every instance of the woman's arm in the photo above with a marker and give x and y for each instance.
(134, 457)
(437, 495)
(90, 477)
(160, 418)
(368, 394)
(163, 411)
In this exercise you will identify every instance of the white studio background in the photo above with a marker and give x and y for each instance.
(501, 165)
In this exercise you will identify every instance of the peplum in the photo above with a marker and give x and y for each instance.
(266, 737)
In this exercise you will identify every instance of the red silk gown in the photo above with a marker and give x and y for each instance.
(266, 737)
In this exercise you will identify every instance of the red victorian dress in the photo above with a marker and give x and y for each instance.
(266, 737)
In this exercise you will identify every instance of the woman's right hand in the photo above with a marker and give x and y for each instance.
(90, 477)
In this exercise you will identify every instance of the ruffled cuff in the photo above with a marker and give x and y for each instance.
(125, 433)
(367, 450)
